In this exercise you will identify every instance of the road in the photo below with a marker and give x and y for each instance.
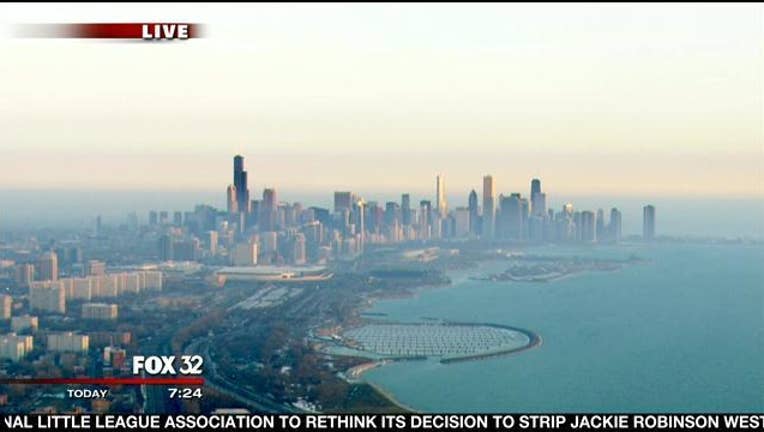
(216, 381)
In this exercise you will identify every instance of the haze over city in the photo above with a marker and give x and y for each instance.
(668, 104)
(382, 208)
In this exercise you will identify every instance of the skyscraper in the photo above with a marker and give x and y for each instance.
(510, 221)
(232, 204)
(586, 228)
(488, 207)
(600, 225)
(240, 183)
(343, 200)
(268, 210)
(648, 223)
(472, 204)
(406, 209)
(440, 196)
(538, 199)
(614, 228)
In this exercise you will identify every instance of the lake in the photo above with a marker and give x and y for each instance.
(683, 332)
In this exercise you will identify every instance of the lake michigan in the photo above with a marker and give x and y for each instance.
(681, 332)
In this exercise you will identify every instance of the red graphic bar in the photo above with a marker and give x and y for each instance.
(106, 381)
(145, 31)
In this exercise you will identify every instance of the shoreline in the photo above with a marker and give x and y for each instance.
(355, 374)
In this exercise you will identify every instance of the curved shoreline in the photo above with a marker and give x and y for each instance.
(534, 341)
(356, 373)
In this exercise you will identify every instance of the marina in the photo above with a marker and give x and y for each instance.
(444, 341)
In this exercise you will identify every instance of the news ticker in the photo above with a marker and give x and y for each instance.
(377, 422)
(140, 31)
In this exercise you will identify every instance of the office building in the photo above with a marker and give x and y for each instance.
(48, 296)
(47, 266)
(488, 207)
(95, 268)
(440, 196)
(6, 302)
(614, 227)
(648, 223)
(24, 274)
(99, 311)
(406, 209)
(586, 227)
(231, 204)
(240, 184)
(14, 347)
(67, 342)
(244, 254)
(461, 222)
(343, 200)
(538, 199)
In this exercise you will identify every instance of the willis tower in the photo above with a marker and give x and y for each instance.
(240, 184)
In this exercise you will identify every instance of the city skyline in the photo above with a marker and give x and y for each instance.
(534, 91)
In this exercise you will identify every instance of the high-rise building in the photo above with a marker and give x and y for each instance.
(509, 223)
(299, 253)
(425, 219)
(166, 248)
(359, 217)
(269, 218)
(614, 227)
(24, 274)
(587, 226)
(6, 303)
(474, 211)
(212, 242)
(406, 209)
(240, 183)
(440, 196)
(461, 221)
(49, 296)
(648, 223)
(177, 218)
(244, 254)
(488, 207)
(68, 342)
(343, 200)
(535, 187)
(95, 268)
(600, 226)
(538, 199)
(231, 204)
(15, 347)
(99, 311)
(48, 266)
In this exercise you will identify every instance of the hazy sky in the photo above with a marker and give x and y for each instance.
(595, 99)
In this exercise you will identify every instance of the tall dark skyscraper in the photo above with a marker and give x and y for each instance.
(648, 222)
(535, 187)
(240, 183)
(343, 200)
(538, 199)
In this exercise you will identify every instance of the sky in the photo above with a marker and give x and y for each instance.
(616, 100)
